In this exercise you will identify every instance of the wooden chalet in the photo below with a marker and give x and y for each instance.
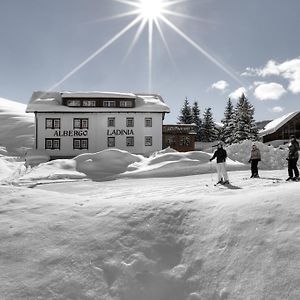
(180, 137)
(282, 128)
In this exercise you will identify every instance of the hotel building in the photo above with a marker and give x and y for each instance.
(70, 123)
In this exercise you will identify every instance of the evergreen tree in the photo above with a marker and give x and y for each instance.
(197, 120)
(245, 127)
(186, 113)
(228, 123)
(209, 131)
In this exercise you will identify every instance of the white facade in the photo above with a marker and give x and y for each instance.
(64, 129)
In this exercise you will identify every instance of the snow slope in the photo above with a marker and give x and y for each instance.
(17, 127)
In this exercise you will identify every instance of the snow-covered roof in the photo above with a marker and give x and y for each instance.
(274, 125)
(53, 102)
(96, 94)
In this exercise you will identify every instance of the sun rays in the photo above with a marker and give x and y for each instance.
(150, 14)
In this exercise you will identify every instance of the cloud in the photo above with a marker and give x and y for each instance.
(237, 93)
(289, 70)
(277, 109)
(269, 91)
(220, 85)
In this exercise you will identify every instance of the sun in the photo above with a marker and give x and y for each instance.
(151, 9)
(153, 13)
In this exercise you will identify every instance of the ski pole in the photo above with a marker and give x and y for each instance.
(211, 171)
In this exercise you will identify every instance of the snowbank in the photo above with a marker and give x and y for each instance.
(53, 170)
(113, 163)
(106, 164)
(272, 158)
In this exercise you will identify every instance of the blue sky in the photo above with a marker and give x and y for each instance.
(253, 46)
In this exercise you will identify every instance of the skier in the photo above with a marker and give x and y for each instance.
(221, 156)
(255, 157)
(292, 158)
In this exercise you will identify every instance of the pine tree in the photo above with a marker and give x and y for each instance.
(253, 127)
(209, 131)
(186, 113)
(245, 127)
(228, 123)
(197, 120)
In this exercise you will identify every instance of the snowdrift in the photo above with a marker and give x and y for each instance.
(112, 164)
(272, 158)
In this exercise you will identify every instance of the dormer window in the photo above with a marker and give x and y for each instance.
(89, 103)
(109, 103)
(74, 103)
(126, 103)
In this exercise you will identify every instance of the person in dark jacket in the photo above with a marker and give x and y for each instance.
(255, 157)
(292, 158)
(221, 156)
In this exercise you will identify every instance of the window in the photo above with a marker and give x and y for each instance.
(129, 141)
(52, 123)
(111, 141)
(81, 123)
(52, 144)
(109, 103)
(184, 141)
(125, 103)
(111, 122)
(129, 122)
(171, 141)
(73, 103)
(148, 140)
(148, 122)
(80, 144)
(89, 103)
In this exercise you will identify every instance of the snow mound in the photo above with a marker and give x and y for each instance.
(113, 163)
(106, 164)
(271, 158)
(17, 127)
(53, 170)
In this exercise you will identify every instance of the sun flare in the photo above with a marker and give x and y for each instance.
(151, 9)
(153, 13)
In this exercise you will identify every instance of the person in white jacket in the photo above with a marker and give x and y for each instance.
(221, 156)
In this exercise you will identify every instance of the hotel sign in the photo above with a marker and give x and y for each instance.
(71, 133)
(120, 132)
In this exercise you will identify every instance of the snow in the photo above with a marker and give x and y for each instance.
(277, 123)
(42, 101)
(17, 128)
(160, 238)
(272, 158)
(98, 94)
(116, 226)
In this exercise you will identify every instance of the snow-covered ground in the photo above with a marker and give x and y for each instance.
(117, 226)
